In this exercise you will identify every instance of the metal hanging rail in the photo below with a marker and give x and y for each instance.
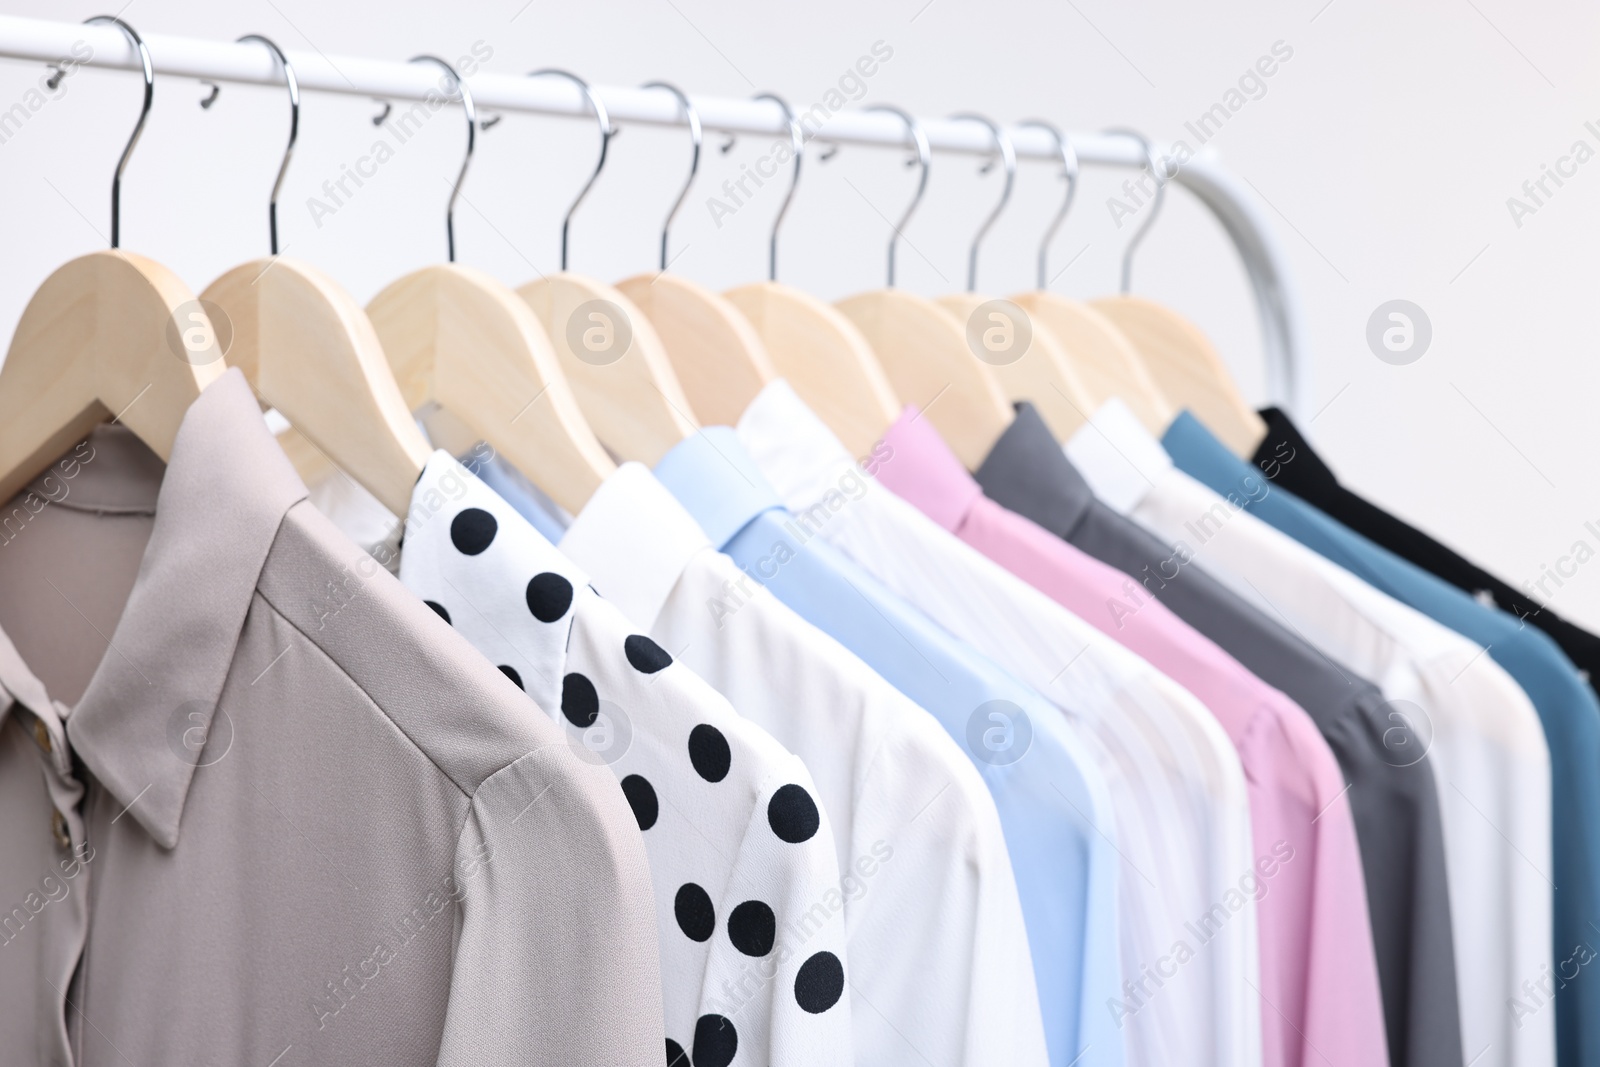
(1228, 199)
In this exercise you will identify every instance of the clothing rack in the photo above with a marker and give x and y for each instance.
(1241, 216)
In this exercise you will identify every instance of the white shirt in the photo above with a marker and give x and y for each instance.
(939, 958)
(1178, 791)
(743, 861)
(1449, 700)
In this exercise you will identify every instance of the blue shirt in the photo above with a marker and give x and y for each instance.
(1054, 808)
(1566, 706)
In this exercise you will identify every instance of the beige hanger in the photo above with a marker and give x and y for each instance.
(460, 339)
(1094, 361)
(715, 352)
(1178, 355)
(816, 349)
(924, 348)
(1105, 363)
(308, 350)
(109, 334)
(1038, 368)
(608, 349)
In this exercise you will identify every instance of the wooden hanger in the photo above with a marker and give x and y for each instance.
(609, 350)
(924, 348)
(813, 346)
(460, 339)
(108, 335)
(715, 353)
(1090, 361)
(309, 350)
(1191, 373)
(1177, 354)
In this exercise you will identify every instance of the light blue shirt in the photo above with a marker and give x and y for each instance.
(1566, 706)
(1053, 806)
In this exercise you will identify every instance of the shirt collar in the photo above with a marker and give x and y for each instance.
(1027, 472)
(800, 456)
(716, 481)
(217, 512)
(1117, 456)
(635, 541)
(920, 468)
(1283, 437)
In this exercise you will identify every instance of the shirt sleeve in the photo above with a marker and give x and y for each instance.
(781, 965)
(556, 956)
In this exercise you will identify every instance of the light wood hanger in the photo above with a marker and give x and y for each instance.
(1097, 359)
(458, 338)
(309, 350)
(1177, 354)
(109, 334)
(609, 350)
(716, 354)
(819, 351)
(1039, 368)
(924, 348)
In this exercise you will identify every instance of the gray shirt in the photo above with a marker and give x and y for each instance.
(1393, 796)
(262, 806)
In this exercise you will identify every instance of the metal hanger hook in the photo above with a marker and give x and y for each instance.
(695, 138)
(606, 132)
(919, 140)
(144, 112)
(294, 129)
(1069, 171)
(797, 144)
(465, 96)
(1008, 157)
(1158, 170)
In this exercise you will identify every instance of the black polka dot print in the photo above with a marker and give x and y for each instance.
(708, 751)
(752, 927)
(642, 799)
(702, 784)
(697, 918)
(579, 702)
(646, 656)
(793, 815)
(438, 609)
(472, 531)
(549, 596)
(820, 983)
(715, 1041)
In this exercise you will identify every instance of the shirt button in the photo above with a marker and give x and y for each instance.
(58, 827)
(41, 734)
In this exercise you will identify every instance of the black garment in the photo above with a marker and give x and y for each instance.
(1309, 478)
(1396, 809)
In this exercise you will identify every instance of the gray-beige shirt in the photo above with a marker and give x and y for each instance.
(261, 806)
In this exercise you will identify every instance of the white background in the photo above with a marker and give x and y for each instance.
(1386, 149)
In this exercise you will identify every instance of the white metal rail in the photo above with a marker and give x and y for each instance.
(186, 57)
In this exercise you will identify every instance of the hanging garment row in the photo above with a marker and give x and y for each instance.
(595, 674)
